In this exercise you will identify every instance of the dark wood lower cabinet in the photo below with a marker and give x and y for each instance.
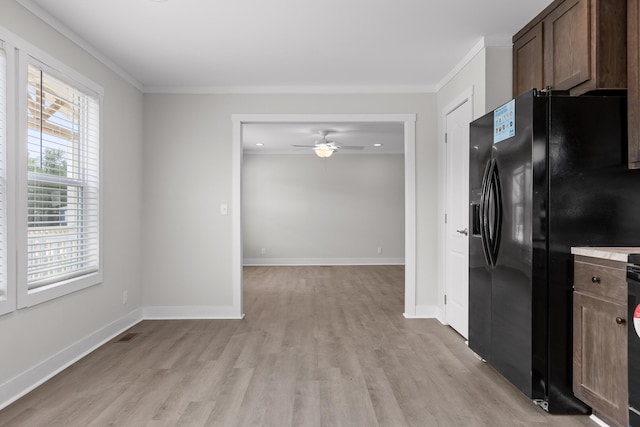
(600, 342)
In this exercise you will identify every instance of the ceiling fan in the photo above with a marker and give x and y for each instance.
(325, 148)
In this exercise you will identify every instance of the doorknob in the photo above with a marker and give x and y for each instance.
(465, 231)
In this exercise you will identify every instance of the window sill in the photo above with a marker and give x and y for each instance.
(28, 298)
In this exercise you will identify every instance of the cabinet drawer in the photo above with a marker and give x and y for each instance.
(607, 279)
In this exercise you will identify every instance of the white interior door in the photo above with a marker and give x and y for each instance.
(457, 218)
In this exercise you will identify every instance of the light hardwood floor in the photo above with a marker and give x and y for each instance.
(320, 346)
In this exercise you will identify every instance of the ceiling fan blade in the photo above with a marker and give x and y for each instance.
(352, 147)
(302, 146)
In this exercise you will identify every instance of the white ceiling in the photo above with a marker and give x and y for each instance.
(279, 137)
(286, 45)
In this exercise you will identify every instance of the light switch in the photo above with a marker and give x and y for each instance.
(223, 209)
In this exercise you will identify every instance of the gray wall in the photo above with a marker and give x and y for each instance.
(188, 246)
(30, 336)
(302, 209)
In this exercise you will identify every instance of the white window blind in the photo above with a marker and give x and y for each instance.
(3, 173)
(63, 179)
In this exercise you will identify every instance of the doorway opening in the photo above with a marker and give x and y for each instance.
(408, 124)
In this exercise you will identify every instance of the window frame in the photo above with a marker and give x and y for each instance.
(8, 304)
(28, 297)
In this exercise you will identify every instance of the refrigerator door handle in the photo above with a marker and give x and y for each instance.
(483, 213)
(490, 214)
(496, 189)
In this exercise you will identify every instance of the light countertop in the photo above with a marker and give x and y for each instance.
(614, 254)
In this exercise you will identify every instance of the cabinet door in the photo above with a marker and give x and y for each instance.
(567, 45)
(633, 73)
(528, 64)
(600, 357)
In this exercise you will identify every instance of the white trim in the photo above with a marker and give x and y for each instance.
(75, 38)
(10, 303)
(191, 312)
(484, 42)
(410, 188)
(410, 221)
(424, 312)
(236, 219)
(598, 421)
(21, 182)
(270, 152)
(217, 90)
(35, 9)
(466, 96)
(499, 40)
(28, 298)
(50, 61)
(35, 376)
(254, 262)
(23, 383)
(26, 55)
(322, 118)
(56, 24)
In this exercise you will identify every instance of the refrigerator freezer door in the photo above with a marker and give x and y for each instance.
(481, 141)
(511, 319)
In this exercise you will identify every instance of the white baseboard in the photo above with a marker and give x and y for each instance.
(23, 383)
(284, 262)
(191, 312)
(598, 421)
(424, 312)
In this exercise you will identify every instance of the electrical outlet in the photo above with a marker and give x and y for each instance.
(263, 251)
(379, 251)
(125, 297)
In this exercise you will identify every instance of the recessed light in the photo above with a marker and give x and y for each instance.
(259, 144)
(377, 145)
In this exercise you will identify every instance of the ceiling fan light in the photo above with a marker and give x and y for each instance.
(324, 152)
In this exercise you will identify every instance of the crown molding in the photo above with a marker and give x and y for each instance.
(487, 41)
(484, 42)
(75, 38)
(219, 90)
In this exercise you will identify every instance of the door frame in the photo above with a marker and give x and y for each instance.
(409, 122)
(465, 96)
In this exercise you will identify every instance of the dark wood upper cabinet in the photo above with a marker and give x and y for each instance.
(583, 47)
(566, 45)
(633, 58)
(528, 61)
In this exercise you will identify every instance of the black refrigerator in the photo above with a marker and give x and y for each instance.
(547, 172)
